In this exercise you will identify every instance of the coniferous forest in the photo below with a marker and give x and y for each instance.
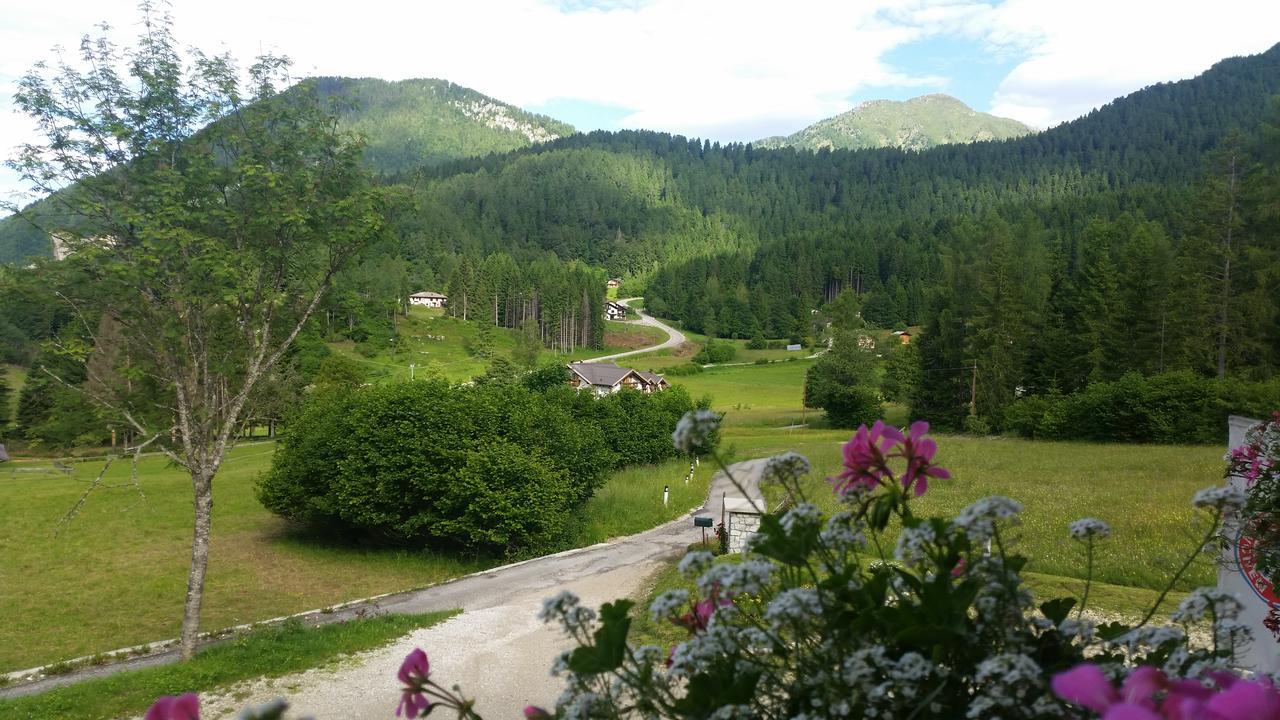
(1142, 238)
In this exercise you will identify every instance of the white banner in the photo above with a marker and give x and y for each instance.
(1238, 574)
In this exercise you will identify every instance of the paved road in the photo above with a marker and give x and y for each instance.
(675, 338)
(496, 649)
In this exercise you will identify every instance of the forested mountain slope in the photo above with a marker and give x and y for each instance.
(916, 124)
(406, 125)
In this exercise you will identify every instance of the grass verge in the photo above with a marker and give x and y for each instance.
(270, 652)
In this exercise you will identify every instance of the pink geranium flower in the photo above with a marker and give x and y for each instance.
(1147, 694)
(868, 452)
(175, 707)
(536, 713)
(414, 672)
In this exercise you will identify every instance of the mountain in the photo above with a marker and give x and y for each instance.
(411, 123)
(916, 124)
(407, 124)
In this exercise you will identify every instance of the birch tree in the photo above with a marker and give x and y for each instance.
(209, 207)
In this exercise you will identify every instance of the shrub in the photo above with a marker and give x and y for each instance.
(757, 342)
(692, 368)
(716, 351)
(403, 464)
(1176, 407)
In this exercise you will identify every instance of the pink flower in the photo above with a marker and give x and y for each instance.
(1085, 685)
(1141, 686)
(175, 707)
(867, 455)
(414, 672)
(1245, 700)
(918, 451)
(536, 713)
(1129, 711)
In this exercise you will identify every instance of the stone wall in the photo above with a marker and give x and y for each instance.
(742, 525)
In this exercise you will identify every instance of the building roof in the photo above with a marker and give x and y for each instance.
(429, 295)
(651, 377)
(603, 374)
(618, 305)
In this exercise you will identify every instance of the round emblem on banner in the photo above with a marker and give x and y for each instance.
(1247, 561)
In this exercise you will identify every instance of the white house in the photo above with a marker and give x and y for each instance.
(615, 311)
(428, 299)
(607, 378)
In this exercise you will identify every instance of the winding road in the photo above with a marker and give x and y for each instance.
(675, 338)
(496, 650)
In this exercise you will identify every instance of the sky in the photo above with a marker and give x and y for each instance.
(727, 70)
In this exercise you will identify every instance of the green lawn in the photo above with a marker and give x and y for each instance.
(1143, 491)
(115, 575)
(267, 653)
(432, 341)
(768, 395)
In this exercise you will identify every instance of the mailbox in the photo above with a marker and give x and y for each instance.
(702, 521)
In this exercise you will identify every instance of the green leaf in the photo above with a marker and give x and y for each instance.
(1057, 609)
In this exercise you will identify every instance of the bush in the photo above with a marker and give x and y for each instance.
(975, 425)
(494, 467)
(762, 361)
(692, 368)
(403, 463)
(1176, 407)
(716, 351)
(757, 342)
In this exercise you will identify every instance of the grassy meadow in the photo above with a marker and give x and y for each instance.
(115, 574)
(436, 343)
(271, 652)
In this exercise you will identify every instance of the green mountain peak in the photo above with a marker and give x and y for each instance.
(916, 124)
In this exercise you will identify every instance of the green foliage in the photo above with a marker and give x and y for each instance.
(916, 124)
(716, 352)
(1178, 407)
(902, 376)
(843, 382)
(339, 373)
(270, 652)
(496, 467)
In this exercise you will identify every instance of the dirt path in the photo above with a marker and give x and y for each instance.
(675, 338)
(496, 649)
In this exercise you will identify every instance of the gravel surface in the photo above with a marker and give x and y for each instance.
(675, 338)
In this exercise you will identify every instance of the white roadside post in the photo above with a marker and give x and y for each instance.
(1238, 575)
(666, 492)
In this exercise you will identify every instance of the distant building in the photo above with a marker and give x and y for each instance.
(428, 299)
(656, 382)
(615, 311)
(903, 336)
(613, 282)
(607, 378)
(866, 342)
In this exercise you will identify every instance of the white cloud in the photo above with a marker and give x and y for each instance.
(1085, 53)
(726, 69)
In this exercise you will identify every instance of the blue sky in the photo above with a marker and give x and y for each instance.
(728, 70)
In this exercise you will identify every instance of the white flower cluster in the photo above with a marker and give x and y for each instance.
(978, 521)
(785, 467)
(1148, 637)
(793, 606)
(842, 533)
(695, 562)
(693, 432)
(1011, 684)
(668, 604)
(1086, 529)
(913, 544)
(880, 682)
(702, 650)
(748, 577)
(803, 515)
(1207, 602)
(1081, 629)
(1223, 498)
(563, 606)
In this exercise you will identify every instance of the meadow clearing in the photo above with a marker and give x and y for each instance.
(114, 575)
